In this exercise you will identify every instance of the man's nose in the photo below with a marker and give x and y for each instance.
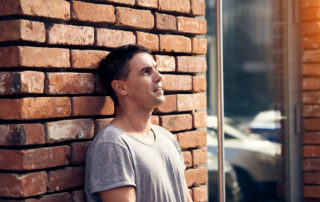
(158, 76)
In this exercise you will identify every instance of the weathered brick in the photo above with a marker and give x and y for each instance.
(191, 64)
(21, 134)
(170, 104)
(179, 6)
(165, 22)
(25, 56)
(199, 156)
(70, 83)
(58, 9)
(311, 42)
(310, 191)
(165, 63)
(35, 108)
(311, 56)
(90, 106)
(23, 185)
(155, 120)
(87, 59)
(70, 35)
(148, 40)
(311, 111)
(64, 196)
(21, 82)
(186, 102)
(65, 178)
(176, 122)
(134, 18)
(148, 3)
(311, 69)
(311, 138)
(78, 152)
(192, 139)
(199, 119)
(22, 30)
(199, 84)
(99, 124)
(311, 124)
(310, 28)
(58, 131)
(78, 196)
(311, 97)
(126, 2)
(187, 158)
(30, 159)
(114, 38)
(175, 43)
(177, 82)
(198, 7)
(311, 178)
(199, 46)
(200, 193)
(310, 14)
(196, 176)
(310, 83)
(309, 3)
(311, 164)
(191, 25)
(311, 151)
(90, 12)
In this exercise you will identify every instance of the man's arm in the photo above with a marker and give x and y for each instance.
(120, 194)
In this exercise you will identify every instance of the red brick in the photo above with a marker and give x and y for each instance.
(180, 6)
(22, 185)
(177, 82)
(165, 22)
(311, 151)
(176, 122)
(78, 152)
(21, 134)
(311, 97)
(310, 28)
(70, 35)
(165, 63)
(311, 56)
(199, 84)
(191, 64)
(99, 124)
(311, 69)
(309, 3)
(21, 82)
(189, 102)
(29, 159)
(311, 164)
(148, 3)
(90, 12)
(199, 46)
(134, 18)
(150, 41)
(78, 196)
(69, 83)
(87, 59)
(311, 138)
(310, 83)
(90, 106)
(310, 14)
(22, 30)
(311, 111)
(175, 43)
(114, 38)
(65, 197)
(311, 124)
(35, 108)
(58, 131)
(58, 9)
(155, 120)
(24, 56)
(187, 158)
(199, 119)
(126, 2)
(198, 7)
(311, 42)
(199, 156)
(170, 104)
(311, 191)
(196, 176)
(191, 25)
(192, 139)
(65, 178)
(200, 193)
(311, 178)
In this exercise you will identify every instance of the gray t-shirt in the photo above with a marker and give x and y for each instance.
(116, 159)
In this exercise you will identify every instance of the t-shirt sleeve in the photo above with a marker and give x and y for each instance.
(110, 167)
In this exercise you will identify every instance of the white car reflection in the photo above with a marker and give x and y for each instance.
(257, 161)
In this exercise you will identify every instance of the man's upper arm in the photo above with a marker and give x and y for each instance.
(120, 194)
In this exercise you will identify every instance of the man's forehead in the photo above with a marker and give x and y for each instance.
(142, 60)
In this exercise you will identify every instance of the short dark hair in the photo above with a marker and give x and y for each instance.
(115, 66)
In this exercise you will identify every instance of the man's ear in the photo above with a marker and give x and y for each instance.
(119, 87)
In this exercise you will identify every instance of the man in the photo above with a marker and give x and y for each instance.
(132, 160)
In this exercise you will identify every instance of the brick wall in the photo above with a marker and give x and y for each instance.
(52, 103)
(310, 17)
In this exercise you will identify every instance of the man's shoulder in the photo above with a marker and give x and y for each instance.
(109, 134)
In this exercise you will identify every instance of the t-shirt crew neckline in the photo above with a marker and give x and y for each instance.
(136, 139)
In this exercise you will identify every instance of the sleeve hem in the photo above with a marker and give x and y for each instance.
(112, 186)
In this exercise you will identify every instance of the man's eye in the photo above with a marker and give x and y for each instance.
(147, 71)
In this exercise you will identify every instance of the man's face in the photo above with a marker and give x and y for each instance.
(144, 81)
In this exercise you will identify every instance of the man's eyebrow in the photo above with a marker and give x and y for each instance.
(149, 67)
